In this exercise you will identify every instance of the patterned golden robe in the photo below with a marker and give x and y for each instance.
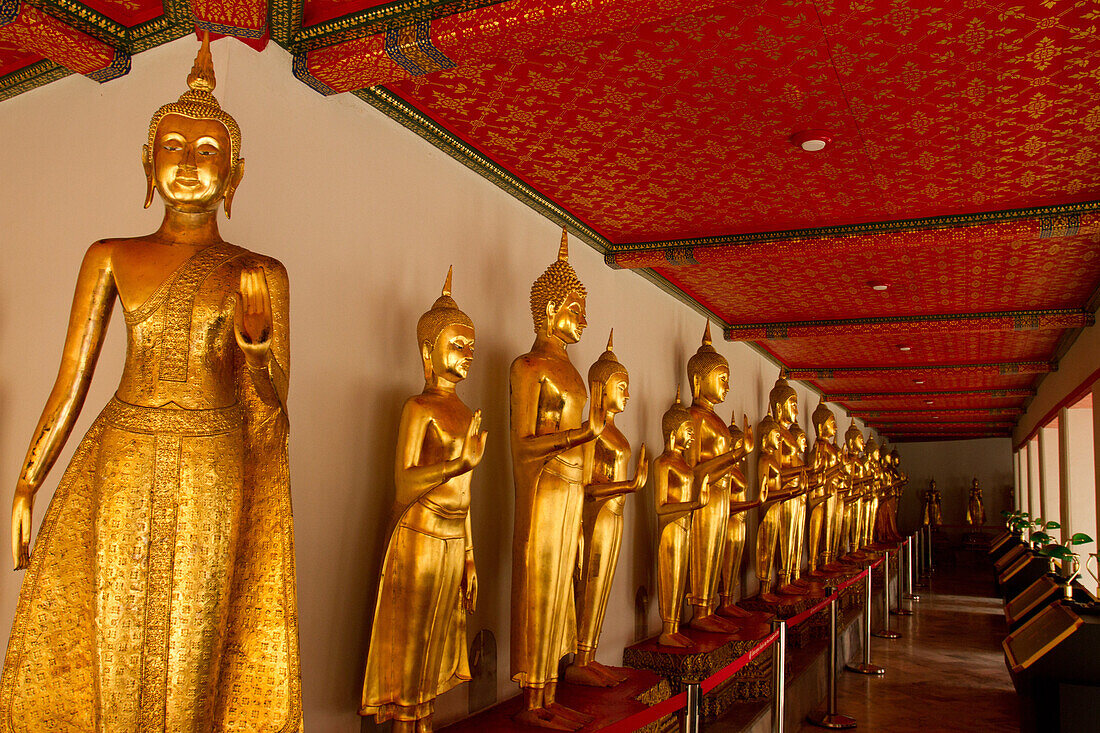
(160, 595)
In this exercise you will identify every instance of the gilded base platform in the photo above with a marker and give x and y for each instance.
(607, 705)
(711, 653)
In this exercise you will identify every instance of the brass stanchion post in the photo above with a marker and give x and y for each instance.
(903, 560)
(779, 676)
(830, 718)
(691, 722)
(865, 667)
(886, 632)
(909, 573)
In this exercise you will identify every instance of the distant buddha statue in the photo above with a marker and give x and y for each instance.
(975, 512)
(823, 496)
(931, 512)
(606, 487)
(548, 431)
(429, 582)
(160, 595)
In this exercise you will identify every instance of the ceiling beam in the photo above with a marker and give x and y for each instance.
(995, 369)
(869, 396)
(891, 428)
(35, 31)
(871, 414)
(1033, 320)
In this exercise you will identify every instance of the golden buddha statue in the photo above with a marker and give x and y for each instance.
(777, 483)
(160, 594)
(823, 496)
(677, 499)
(606, 487)
(854, 486)
(797, 530)
(733, 552)
(874, 477)
(898, 483)
(418, 637)
(931, 513)
(783, 409)
(975, 512)
(548, 430)
(710, 455)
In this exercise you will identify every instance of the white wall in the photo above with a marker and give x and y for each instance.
(1049, 490)
(366, 217)
(1077, 474)
(955, 464)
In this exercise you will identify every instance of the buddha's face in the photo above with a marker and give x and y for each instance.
(453, 352)
(684, 436)
(191, 164)
(771, 440)
(828, 428)
(568, 321)
(715, 385)
(616, 393)
(800, 441)
(790, 409)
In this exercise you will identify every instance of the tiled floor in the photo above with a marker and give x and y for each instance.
(947, 673)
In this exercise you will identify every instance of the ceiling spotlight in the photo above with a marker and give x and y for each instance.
(811, 140)
(928, 402)
(918, 381)
(905, 348)
(877, 285)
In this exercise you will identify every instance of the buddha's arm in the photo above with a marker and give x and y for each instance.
(664, 506)
(611, 489)
(91, 312)
(88, 319)
(270, 368)
(525, 408)
(411, 479)
(714, 468)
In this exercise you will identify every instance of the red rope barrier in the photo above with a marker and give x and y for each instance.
(796, 620)
(738, 664)
(856, 579)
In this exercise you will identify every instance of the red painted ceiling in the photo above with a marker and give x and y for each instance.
(653, 122)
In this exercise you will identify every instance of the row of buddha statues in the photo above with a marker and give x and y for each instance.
(932, 508)
(160, 594)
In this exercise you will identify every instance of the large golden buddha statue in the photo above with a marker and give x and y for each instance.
(711, 455)
(678, 496)
(855, 483)
(824, 462)
(872, 493)
(742, 442)
(548, 431)
(429, 582)
(777, 483)
(797, 530)
(160, 594)
(606, 487)
(783, 409)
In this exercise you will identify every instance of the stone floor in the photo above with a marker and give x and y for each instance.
(947, 673)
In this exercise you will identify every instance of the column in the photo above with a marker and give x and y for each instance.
(1048, 473)
(1078, 478)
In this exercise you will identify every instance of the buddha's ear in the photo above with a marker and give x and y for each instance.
(235, 177)
(551, 311)
(426, 358)
(147, 164)
(694, 385)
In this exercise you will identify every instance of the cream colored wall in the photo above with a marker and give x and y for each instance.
(954, 464)
(366, 217)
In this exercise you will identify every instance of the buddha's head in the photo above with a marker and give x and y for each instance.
(193, 154)
(853, 439)
(676, 426)
(783, 402)
(709, 372)
(445, 336)
(895, 458)
(769, 432)
(558, 299)
(613, 376)
(872, 450)
(824, 422)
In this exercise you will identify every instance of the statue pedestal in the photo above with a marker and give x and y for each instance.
(607, 705)
(710, 654)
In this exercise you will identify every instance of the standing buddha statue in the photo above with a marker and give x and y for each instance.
(751, 623)
(710, 455)
(873, 471)
(975, 512)
(418, 637)
(548, 430)
(855, 484)
(777, 483)
(677, 498)
(931, 513)
(783, 408)
(824, 493)
(160, 595)
(606, 487)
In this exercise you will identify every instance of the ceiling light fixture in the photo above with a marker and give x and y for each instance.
(903, 347)
(928, 402)
(918, 381)
(877, 285)
(811, 140)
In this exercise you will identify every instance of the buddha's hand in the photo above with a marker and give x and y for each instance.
(473, 445)
(597, 416)
(642, 471)
(704, 491)
(749, 442)
(469, 584)
(21, 524)
(252, 321)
